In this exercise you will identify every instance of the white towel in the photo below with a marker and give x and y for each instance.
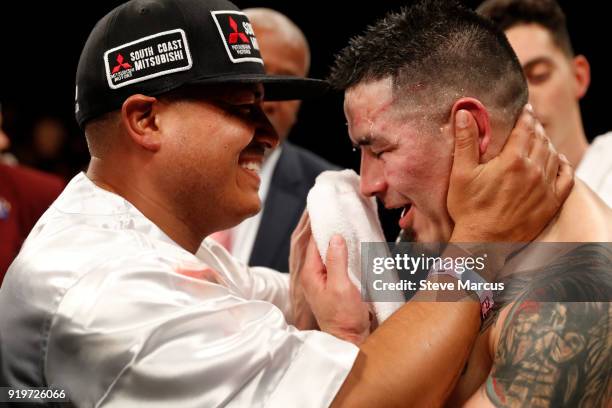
(335, 206)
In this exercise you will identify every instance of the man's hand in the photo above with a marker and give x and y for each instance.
(302, 316)
(334, 299)
(512, 197)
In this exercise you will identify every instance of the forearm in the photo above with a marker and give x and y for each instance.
(410, 361)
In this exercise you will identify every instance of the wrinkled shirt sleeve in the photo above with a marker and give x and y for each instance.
(136, 333)
(272, 286)
(257, 283)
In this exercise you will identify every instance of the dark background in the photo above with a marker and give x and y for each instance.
(42, 41)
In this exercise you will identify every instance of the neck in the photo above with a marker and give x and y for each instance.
(143, 196)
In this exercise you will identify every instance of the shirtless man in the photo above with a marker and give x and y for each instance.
(406, 79)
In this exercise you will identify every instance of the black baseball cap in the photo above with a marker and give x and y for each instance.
(154, 46)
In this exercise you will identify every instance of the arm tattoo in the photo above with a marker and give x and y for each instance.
(555, 351)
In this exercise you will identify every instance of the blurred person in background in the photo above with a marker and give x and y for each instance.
(5, 143)
(25, 194)
(47, 147)
(557, 80)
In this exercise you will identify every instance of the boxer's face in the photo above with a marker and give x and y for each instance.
(556, 81)
(401, 163)
(281, 57)
(213, 152)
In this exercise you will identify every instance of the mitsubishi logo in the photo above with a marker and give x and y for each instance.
(233, 37)
(120, 64)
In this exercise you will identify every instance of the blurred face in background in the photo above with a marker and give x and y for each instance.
(284, 53)
(5, 143)
(556, 83)
(49, 137)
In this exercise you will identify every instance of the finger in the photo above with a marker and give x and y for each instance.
(301, 224)
(337, 262)
(552, 165)
(522, 135)
(300, 238)
(312, 275)
(540, 149)
(565, 179)
(466, 154)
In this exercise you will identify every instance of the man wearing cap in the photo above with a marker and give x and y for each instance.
(289, 171)
(117, 298)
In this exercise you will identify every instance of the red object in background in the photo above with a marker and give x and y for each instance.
(25, 194)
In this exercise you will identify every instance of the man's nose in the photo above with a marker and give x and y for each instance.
(372, 176)
(265, 132)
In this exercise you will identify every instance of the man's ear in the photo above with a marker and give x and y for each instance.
(582, 73)
(138, 115)
(481, 116)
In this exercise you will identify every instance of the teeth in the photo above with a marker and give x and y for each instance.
(253, 166)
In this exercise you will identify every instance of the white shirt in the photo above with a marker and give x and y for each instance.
(595, 168)
(94, 305)
(244, 234)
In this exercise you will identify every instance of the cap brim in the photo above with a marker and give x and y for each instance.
(276, 87)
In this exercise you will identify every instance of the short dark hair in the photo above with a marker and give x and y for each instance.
(435, 52)
(547, 13)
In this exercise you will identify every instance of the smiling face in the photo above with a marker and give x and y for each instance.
(403, 162)
(213, 153)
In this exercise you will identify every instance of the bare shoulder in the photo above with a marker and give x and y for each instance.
(585, 218)
(555, 338)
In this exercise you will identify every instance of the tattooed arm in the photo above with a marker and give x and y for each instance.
(555, 347)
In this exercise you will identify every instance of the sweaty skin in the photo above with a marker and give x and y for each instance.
(493, 343)
(413, 171)
(440, 334)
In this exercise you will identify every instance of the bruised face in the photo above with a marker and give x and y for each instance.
(403, 162)
(556, 81)
(214, 140)
(282, 56)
